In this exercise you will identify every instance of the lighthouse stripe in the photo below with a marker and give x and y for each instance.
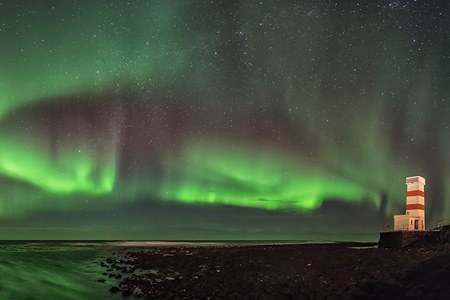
(415, 206)
(415, 193)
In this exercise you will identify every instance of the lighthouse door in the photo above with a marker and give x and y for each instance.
(416, 224)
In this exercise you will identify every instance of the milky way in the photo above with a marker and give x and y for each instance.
(253, 119)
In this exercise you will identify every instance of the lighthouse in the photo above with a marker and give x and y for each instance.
(414, 219)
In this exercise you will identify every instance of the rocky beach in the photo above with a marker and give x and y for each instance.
(303, 271)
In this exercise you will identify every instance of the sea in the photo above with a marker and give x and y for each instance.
(71, 269)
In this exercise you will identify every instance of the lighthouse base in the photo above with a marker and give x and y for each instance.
(400, 238)
(419, 238)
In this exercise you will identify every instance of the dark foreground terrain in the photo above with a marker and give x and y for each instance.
(314, 271)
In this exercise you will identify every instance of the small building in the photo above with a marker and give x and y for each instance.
(414, 219)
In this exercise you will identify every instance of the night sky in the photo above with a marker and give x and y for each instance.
(220, 119)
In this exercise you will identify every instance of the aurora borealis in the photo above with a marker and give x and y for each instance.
(222, 119)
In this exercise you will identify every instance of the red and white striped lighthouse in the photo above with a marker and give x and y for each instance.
(415, 201)
(414, 219)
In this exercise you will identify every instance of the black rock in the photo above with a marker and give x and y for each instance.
(127, 293)
(114, 289)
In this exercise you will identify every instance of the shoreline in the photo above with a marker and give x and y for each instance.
(301, 271)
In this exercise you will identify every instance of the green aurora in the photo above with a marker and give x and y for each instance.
(279, 108)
